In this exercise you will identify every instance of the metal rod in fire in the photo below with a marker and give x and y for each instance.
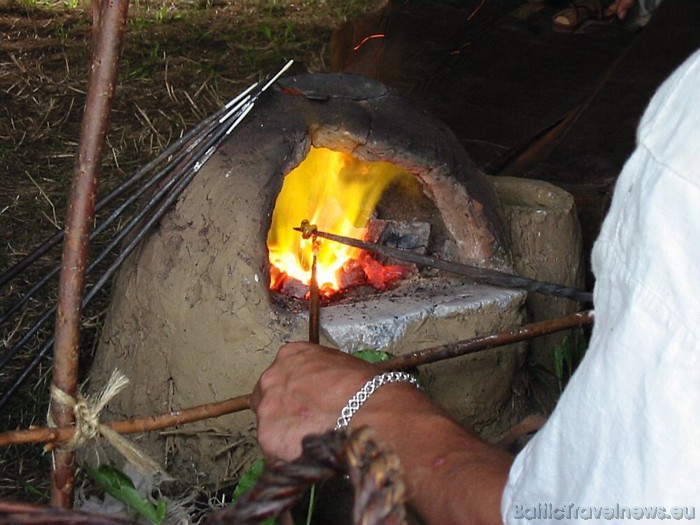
(479, 275)
(314, 298)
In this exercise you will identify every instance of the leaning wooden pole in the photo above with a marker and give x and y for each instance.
(101, 87)
(56, 436)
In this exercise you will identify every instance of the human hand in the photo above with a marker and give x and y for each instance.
(302, 393)
(620, 8)
(307, 385)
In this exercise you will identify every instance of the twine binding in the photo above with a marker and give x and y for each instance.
(87, 412)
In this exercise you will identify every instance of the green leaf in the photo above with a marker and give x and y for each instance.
(372, 356)
(119, 485)
(247, 482)
(33, 490)
(559, 356)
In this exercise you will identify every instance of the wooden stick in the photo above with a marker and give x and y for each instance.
(81, 208)
(478, 344)
(240, 403)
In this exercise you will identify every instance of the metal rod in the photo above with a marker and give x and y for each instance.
(171, 193)
(194, 137)
(198, 135)
(207, 144)
(102, 226)
(314, 302)
(56, 238)
(480, 275)
(28, 259)
(143, 211)
(153, 201)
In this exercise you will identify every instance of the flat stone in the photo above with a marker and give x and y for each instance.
(472, 388)
(384, 321)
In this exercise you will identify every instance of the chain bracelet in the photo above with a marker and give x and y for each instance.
(367, 390)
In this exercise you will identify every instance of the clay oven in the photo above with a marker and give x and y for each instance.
(193, 319)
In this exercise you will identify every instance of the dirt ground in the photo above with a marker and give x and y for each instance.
(182, 60)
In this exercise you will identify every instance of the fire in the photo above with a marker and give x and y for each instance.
(336, 192)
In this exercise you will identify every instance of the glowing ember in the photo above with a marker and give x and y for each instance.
(336, 192)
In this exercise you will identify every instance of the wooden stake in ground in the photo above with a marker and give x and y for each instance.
(105, 64)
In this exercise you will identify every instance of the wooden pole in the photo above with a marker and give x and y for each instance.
(240, 403)
(103, 76)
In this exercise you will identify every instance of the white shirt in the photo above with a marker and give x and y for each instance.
(624, 439)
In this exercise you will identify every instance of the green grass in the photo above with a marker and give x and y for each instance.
(181, 60)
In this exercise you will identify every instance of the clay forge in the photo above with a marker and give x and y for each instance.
(201, 309)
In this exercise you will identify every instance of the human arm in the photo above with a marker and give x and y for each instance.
(453, 477)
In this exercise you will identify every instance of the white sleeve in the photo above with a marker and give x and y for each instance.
(625, 434)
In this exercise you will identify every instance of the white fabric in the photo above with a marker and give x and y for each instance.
(626, 431)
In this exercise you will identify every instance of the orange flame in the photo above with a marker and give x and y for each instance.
(337, 193)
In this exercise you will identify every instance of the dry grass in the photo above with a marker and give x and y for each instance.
(181, 61)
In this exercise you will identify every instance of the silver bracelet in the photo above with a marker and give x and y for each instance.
(370, 387)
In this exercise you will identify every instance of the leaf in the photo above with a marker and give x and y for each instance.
(372, 356)
(558, 357)
(119, 486)
(247, 482)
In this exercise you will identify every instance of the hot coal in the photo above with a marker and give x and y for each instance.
(374, 270)
(383, 276)
(365, 271)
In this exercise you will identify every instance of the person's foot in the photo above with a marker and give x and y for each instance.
(570, 18)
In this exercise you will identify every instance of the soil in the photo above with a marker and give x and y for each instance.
(181, 61)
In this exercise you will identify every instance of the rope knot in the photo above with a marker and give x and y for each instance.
(87, 422)
(88, 427)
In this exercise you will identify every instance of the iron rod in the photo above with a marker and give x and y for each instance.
(481, 275)
(56, 238)
(314, 305)
(102, 226)
(243, 105)
(195, 132)
(144, 210)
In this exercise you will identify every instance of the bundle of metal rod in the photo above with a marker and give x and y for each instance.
(183, 145)
(183, 160)
(479, 275)
(190, 142)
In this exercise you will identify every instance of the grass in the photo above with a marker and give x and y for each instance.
(181, 61)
